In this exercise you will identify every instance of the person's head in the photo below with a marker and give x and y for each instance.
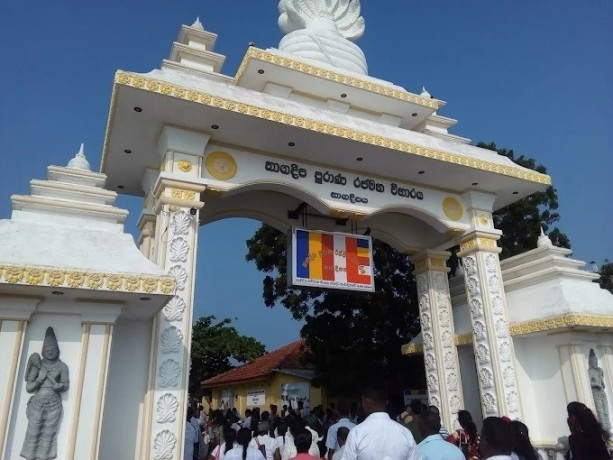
(417, 407)
(263, 428)
(582, 420)
(343, 408)
(341, 435)
(303, 440)
(265, 415)
(434, 409)
(497, 437)
(229, 435)
(189, 413)
(466, 421)
(522, 446)
(298, 424)
(592, 360)
(429, 423)
(247, 413)
(273, 409)
(374, 397)
(243, 438)
(282, 429)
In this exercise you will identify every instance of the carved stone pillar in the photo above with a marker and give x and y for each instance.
(176, 200)
(440, 353)
(494, 352)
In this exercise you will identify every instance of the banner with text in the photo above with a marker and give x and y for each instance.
(331, 260)
(256, 398)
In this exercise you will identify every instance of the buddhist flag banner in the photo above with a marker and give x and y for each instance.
(331, 260)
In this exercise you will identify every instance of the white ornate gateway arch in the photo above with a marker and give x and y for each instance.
(299, 136)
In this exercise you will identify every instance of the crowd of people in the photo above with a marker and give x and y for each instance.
(339, 433)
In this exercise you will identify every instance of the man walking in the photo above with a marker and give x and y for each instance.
(379, 437)
(434, 447)
(331, 441)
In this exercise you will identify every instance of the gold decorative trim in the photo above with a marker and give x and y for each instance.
(201, 97)
(182, 194)
(563, 321)
(385, 90)
(41, 276)
(452, 208)
(463, 339)
(479, 241)
(221, 165)
(184, 165)
(412, 348)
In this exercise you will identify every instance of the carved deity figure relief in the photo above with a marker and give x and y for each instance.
(598, 391)
(46, 377)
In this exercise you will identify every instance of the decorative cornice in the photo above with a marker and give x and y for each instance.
(569, 320)
(415, 348)
(201, 97)
(385, 90)
(82, 279)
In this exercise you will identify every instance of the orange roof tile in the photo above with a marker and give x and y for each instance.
(285, 357)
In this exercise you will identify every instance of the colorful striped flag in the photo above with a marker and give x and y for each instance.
(334, 260)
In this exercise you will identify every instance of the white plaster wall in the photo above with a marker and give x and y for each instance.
(8, 336)
(126, 387)
(68, 332)
(91, 385)
(470, 385)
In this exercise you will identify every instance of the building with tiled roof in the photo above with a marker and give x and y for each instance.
(279, 377)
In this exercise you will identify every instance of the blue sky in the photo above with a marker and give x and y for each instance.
(533, 76)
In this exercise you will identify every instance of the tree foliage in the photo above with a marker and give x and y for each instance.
(215, 345)
(606, 276)
(521, 221)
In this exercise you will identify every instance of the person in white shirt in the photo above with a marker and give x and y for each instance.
(243, 451)
(341, 439)
(497, 439)
(433, 446)
(379, 437)
(219, 452)
(281, 434)
(263, 439)
(289, 450)
(331, 443)
(191, 436)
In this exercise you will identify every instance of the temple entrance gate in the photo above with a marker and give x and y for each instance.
(291, 142)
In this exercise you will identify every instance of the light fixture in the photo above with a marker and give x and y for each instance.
(260, 71)
(120, 187)
(57, 293)
(414, 114)
(343, 95)
(215, 126)
(515, 193)
(138, 109)
(359, 159)
(291, 144)
(127, 151)
(475, 184)
(144, 298)
(421, 172)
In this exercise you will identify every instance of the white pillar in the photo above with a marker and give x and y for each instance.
(494, 353)
(15, 312)
(175, 199)
(440, 353)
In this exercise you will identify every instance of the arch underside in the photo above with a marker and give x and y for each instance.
(404, 228)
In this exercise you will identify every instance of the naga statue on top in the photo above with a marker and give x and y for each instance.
(323, 30)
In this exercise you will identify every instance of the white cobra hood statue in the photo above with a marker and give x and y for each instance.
(321, 30)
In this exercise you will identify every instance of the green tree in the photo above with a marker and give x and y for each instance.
(521, 221)
(606, 276)
(214, 346)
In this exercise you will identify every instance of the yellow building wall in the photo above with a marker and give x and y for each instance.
(272, 390)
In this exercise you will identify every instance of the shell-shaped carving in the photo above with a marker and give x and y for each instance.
(168, 375)
(179, 274)
(179, 248)
(343, 14)
(173, 311)
(166, 408)
(164, 445)
(180, 222)
(171, 340)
